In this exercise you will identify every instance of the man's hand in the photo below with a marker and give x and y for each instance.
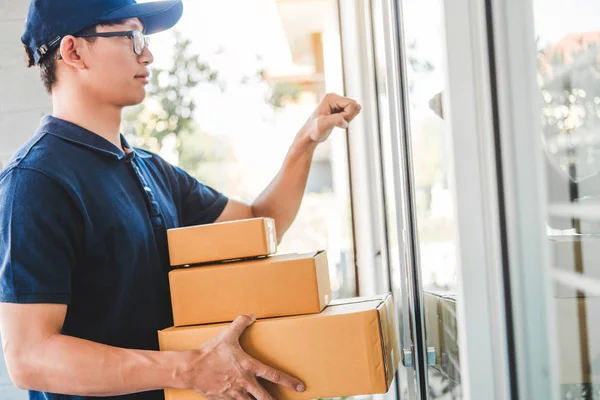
(281, 199)
(334, 110)
(220, 369)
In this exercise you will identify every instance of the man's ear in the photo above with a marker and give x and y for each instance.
(70, 51)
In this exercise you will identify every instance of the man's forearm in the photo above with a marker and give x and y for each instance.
(68, 365)
(282, 198)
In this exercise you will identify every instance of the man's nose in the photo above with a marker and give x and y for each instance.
(147, 57)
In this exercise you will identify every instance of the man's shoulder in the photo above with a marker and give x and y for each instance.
(147, 154)
(42, 153)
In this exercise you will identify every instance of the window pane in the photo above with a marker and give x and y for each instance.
(568, 45)
(424, 41)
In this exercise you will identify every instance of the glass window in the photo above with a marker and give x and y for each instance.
(226, 106)
(424, 40)
(568, 51)
(397, 281)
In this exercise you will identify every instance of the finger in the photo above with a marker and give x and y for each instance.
(351, 111)
(242, 395)
(237, 327)
(331, 121)
(278, 377)
(259, 392)
(337, 104)
(333, 102)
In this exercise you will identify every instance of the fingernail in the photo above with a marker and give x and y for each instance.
(252, 317)
(300, 388)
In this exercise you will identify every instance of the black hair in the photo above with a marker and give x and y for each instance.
(48, 62)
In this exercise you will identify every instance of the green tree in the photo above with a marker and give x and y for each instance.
(168, 111)
(167, 114)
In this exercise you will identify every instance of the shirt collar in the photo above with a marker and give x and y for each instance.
(76, 134)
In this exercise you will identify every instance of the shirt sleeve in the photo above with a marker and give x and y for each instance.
(199, 203)
(40, 230)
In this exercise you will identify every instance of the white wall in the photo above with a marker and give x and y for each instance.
(22, 103)
(22, 98)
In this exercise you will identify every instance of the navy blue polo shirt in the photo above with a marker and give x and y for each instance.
(84, 223)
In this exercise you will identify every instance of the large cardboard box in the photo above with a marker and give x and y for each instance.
(351, 348)
(246, 238)
(280, 285)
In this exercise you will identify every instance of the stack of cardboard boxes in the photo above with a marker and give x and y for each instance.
(338, 348)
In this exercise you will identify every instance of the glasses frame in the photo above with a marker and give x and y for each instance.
(143, 39)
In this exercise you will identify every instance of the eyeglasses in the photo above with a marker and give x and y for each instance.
(140, 41)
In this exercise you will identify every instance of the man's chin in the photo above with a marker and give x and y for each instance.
(134, 101)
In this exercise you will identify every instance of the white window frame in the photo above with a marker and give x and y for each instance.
(365, 166)
(484, 343)
(525, 198)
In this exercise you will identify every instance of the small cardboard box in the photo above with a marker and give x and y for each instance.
(351, 348)
(246, 238)
(280, 285)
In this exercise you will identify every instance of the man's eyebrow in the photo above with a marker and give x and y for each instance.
(135, 26)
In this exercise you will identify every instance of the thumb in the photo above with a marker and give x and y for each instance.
(334, 120)
(237, 327)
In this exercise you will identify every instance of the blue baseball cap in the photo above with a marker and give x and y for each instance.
(48, 21)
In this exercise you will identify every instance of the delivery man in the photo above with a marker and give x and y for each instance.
(83, 220)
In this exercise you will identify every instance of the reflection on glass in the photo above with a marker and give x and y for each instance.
(568, 44)
(424, 39)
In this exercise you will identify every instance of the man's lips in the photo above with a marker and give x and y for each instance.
(143, 77)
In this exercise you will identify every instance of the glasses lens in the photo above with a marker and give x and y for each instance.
(138, 43)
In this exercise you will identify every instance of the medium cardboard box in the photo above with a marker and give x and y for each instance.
(280, 285)
(351, 348)
(246, 238)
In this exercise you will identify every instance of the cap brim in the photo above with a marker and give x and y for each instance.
(156, 16)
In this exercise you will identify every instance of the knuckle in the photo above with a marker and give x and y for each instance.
(244, 318)
(275, 376)
(247, 364)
